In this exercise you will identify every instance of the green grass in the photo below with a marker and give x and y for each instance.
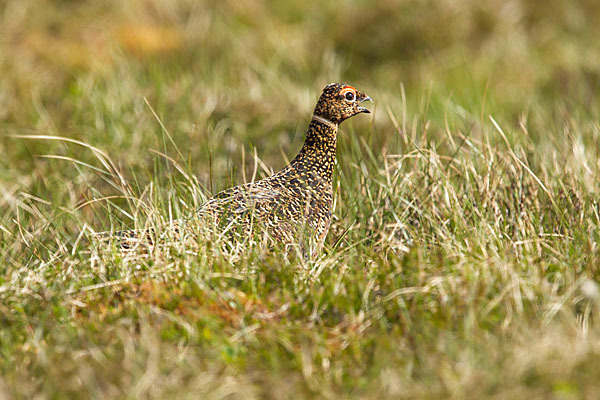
(463, 258)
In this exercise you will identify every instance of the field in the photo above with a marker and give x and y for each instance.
(463, 260)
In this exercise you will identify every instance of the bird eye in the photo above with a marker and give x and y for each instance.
(350, 96)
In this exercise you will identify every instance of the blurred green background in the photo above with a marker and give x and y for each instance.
(231, 74)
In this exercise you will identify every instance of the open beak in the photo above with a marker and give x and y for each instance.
(363, 109)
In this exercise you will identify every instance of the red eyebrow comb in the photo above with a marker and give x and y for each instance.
(347, 89)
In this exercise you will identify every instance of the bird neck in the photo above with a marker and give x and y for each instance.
(318, 153)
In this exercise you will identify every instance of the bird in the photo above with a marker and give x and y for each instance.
(294, 204)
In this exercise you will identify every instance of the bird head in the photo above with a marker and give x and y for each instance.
(339, 102)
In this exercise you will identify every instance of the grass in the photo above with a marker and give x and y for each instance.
(463, 258)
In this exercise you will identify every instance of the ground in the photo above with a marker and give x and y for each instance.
(463, 259)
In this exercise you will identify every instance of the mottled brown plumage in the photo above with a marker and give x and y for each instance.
(295, 203)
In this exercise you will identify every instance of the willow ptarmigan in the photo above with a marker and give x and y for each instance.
(296, 200)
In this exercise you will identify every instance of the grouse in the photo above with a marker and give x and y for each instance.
(295, 203)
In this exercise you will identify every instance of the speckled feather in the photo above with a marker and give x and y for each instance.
(296, 200)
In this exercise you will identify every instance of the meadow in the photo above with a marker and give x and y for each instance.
(463, 260)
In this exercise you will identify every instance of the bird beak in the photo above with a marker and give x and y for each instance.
(363, 109)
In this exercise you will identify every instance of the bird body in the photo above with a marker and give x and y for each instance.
(295, 202)
(296, 199)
